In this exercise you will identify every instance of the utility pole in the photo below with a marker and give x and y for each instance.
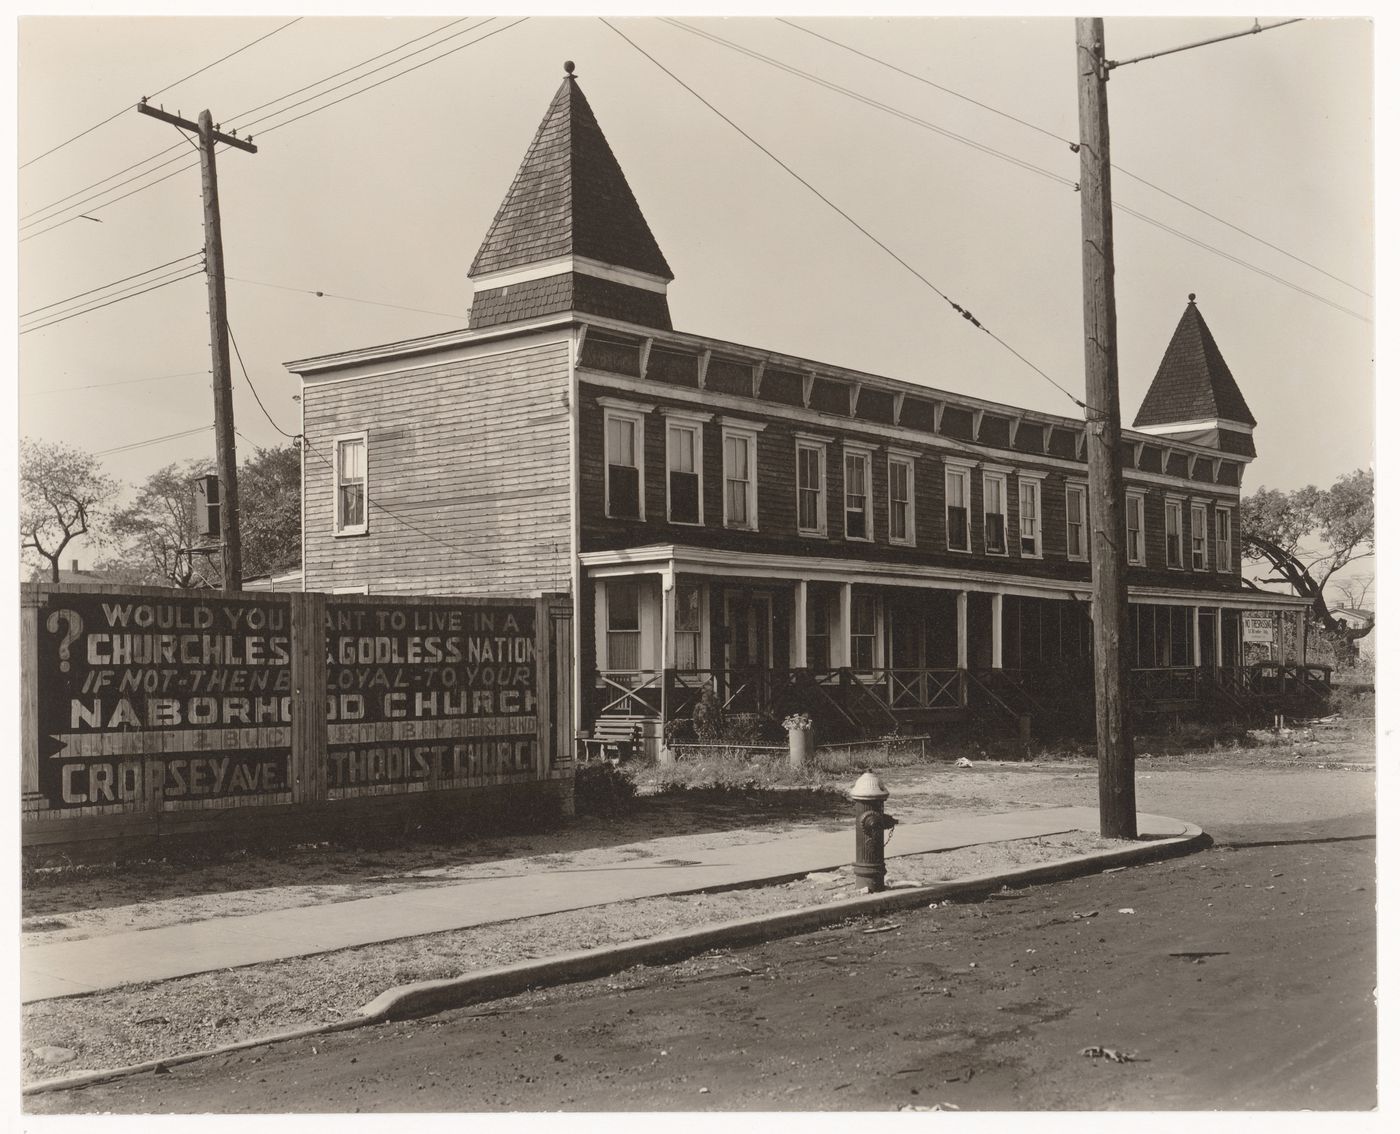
(226, 453)
(1107, 554)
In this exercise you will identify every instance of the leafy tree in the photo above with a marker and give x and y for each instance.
(63, 494)
(1309, 535)
(269, 509)
(158, 534)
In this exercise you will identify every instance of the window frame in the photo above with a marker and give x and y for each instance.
(865, 454)
(337, 526)
(962, 472)
(609, 630)
(694, 424)
(1081, 491)
(905, 461)
(1222, 562)
(1028, 479)
(812, 443)
(1198, 508)
(875, 636)
(700, 632)
(998, 477)
(747, 432)
(1136, 497)
(636, 417)
(1174, 503)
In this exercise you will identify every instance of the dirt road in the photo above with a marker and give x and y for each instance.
(1239, 978)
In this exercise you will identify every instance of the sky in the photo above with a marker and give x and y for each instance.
(381, 200)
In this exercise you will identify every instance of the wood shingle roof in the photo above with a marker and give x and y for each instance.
(1193, 382)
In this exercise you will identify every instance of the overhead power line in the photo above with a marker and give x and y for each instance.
(253, 388)
(119, 382)
(966, 314)
(346, 298)
(88, 310)
(114, 283)
(1070, 142)
(162, 90)
(152, 441)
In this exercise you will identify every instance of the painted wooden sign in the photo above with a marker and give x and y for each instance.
(176, 698)
(1259, 627)
(430, 694)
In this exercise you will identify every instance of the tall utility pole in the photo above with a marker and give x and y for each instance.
(227, 455)
(1107, 554)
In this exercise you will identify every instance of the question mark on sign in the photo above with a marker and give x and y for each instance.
(74, 622)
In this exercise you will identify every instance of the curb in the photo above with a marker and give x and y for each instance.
(428, 997)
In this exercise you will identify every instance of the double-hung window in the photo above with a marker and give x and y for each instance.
(1137, 551)
(1198, 538)
(623, 479)
(351, 485)
(1028, 490)
(688, 633)
(901, 475)
(957, 492)
(685, 463)
(865, 632)
(624, 624)
(858, 494)
(740, 444)
(818, 630)
(1174, 548)
(994, 513)
(1076, 521)
(811, 485)
(1222, 539)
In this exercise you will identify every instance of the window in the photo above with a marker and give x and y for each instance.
(1198, 537)
(624, 624)
(818, 630)
(811, 487)
(1076, 525)
(865, 629)
(740, 484)
(1029, 489)
(901, 500)
(684, 465)
(858, 495)
(351, 485)
(624, 464)
(1137, 554)
(994, 513)
(957, 488)
(1222, 539)
(1174, 550)
(689, 604)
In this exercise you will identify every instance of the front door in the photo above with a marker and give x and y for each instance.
(748, 647)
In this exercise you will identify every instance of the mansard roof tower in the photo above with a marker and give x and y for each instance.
(1194, 396)
(569, 235)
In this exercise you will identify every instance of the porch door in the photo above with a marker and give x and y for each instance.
(748, 647)
(1208, 631)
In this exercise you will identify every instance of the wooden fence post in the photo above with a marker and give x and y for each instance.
(310, 732)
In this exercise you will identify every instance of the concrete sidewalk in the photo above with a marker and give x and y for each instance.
(93, 964)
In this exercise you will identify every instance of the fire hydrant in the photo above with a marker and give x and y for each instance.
(869, 796)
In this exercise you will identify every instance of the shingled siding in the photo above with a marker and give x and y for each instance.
(474, 455)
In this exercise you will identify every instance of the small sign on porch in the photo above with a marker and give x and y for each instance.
(1259, 627)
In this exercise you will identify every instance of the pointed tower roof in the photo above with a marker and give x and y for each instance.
(1193, 383)
(570, 198)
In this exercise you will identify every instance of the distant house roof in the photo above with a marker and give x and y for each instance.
(570, 198)
(1193, 383)
(73, 574)
(280, 581)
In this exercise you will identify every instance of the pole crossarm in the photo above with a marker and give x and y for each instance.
(1109, 64)
(185, 124)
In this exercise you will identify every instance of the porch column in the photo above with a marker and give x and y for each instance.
(1196, 636)
(668, 658)
(1219, 637)
(842, 653)
(962, 629)
(996, 630)
(799, 624)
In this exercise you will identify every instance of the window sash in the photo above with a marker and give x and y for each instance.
(624, 634)
(1222, 540)
(1198, 538)
(901, 501)
(1030, 517)
(1173, 524)
(351, 484)
(994, 514)
(811, 490)
(857, 493)
(1076, 505)
(1133, 519)
(624, 468)
(956, 488)
(738, 481)
(865, 627)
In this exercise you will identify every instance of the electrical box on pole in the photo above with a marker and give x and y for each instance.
(206, 506)
(1107, 551)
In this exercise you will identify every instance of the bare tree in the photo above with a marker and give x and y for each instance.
(158, 535)
(1356, 590)
(63, 494)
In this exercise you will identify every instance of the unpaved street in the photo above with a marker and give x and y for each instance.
(1242, 978)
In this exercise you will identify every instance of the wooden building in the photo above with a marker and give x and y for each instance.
(792, 535)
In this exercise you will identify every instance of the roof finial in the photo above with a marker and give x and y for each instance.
(1191, 298)
(569, 67)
